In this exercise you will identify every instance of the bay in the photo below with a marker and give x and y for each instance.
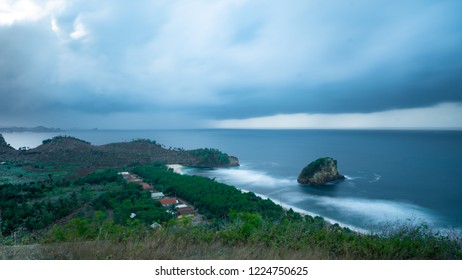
(392, 176)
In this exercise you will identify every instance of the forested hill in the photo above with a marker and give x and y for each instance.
(65, 151)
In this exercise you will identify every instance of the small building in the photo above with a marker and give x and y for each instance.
(181, 206)
(145, 186)
(185, 212)
(157, 195)
(168, 201)
(132, 215)
(125, 175)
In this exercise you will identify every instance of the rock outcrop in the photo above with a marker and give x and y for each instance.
(320, 172)
(2, 141)
(6, 151)
(4, 145)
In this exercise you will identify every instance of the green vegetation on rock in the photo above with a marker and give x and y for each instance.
(319, 172)
(210, 157)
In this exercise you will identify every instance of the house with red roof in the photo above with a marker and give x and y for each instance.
(168, 201)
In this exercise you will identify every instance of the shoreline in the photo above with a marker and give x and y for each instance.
(308, 213)
(447, 231)
(179, 169)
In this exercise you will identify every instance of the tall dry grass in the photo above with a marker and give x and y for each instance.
(155, 248)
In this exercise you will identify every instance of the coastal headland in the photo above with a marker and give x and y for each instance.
(66, 152)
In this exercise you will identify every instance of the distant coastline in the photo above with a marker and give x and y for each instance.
(14, 129)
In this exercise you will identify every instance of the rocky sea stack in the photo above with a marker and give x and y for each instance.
(320, 172)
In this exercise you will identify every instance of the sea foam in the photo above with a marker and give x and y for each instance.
(377, 211)
(358, 214)
(245, 177)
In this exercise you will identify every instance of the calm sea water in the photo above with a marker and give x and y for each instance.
(392, 175)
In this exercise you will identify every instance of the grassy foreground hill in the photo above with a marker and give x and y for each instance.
(94, 224)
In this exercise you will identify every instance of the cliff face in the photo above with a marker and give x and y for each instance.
(4, 145)
(2, 141)
(6, 151)
(319, 172)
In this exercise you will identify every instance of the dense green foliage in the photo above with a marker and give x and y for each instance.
(132, 199)
(100, 205)
(96, 227)
(210, 157)
(101, 177)
(214, 200)
(34, 206)
(25, 206)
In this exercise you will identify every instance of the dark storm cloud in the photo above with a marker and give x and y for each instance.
(228, 59)
(375, 92)
(23, 73)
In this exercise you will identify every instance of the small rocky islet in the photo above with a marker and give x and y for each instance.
(320, 172)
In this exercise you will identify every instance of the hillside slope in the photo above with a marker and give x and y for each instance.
(64, 151)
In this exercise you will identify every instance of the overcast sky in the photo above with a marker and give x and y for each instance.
(231, 63)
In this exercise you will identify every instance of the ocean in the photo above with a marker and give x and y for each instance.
(408, 177)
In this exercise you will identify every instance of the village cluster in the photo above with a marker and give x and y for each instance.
(174, 205)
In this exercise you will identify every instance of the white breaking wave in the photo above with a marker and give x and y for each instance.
(243, 177)
(371, 178)
(371, 212)
(377, 211)
(177, 168)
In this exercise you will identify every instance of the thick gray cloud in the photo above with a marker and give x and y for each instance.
(201, 60)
